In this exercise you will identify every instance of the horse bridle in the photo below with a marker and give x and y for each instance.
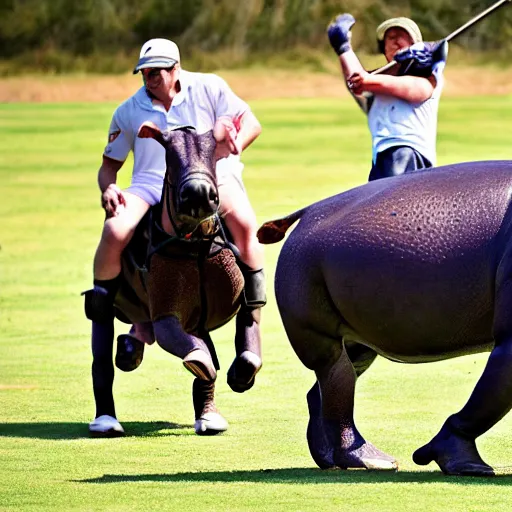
(170, 209)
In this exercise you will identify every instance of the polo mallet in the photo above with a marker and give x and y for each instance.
(455, 33)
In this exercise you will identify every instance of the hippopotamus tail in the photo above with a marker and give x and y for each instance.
(273, 231)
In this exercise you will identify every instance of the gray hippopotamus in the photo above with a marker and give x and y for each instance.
(415, 268)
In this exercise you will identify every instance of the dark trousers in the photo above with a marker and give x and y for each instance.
(397, 160)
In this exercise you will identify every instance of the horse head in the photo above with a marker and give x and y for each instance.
(190, 195)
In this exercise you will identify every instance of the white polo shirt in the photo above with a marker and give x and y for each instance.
(395, 122)
(203, 98)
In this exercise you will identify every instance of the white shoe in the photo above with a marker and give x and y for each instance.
(105, 426)
(210, 424)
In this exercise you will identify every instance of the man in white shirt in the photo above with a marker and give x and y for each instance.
(169, 97)
(401, 108)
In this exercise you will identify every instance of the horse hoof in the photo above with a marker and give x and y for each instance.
(200, 364)
(243, 370)
(210, 424)
(105, 426)
(130, 352)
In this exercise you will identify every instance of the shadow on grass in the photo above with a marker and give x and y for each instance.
(60, 431)
(303, 476)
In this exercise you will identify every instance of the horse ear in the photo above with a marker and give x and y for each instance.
(149, 130)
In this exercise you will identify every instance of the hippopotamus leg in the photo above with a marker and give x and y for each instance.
(337, 379)
(321, 446)
(360, 356)
(247, 363)
(454, 448)
(333, 438)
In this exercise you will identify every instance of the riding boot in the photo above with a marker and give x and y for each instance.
(99, 307)
(254, 288)
(99, 301)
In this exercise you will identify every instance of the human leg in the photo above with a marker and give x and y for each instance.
(99, 302)
(241, 222)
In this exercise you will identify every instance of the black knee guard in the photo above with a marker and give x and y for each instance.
(99, 305)
(254, 289)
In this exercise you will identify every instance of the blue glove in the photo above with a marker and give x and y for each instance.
(421, 58)
(339, 33)
(419, 53)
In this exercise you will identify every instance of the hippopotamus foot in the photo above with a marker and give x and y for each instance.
(320, 446)
(209, 421)
(454, 453)
(364, 456)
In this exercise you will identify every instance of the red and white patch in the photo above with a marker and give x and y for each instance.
(113, 136)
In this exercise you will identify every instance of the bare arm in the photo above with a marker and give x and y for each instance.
(350, 65)
(107, 173)
(111, 195)
(413, 89)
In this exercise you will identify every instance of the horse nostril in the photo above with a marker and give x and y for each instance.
(198, 199)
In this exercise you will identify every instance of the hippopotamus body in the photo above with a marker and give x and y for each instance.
(415, 268)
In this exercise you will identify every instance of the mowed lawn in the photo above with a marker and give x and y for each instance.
(50, 224)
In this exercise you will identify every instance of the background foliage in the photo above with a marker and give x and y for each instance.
(104, 35)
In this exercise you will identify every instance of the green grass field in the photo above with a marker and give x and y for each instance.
(50, 224)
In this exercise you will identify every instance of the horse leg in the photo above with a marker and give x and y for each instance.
(192, 350)
(208, 420)
(247, 363)
(454, 447)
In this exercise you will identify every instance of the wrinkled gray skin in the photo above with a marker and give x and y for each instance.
(415, 268)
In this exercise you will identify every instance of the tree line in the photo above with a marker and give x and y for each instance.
(103, 35)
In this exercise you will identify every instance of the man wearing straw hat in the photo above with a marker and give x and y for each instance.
(401, 106)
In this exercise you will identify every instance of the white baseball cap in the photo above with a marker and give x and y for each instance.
(157, 53)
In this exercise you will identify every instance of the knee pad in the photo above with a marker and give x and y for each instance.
(98, 305)
(254, 289)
